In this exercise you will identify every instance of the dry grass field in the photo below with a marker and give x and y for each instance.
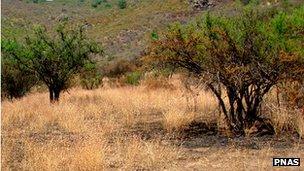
(135, 128)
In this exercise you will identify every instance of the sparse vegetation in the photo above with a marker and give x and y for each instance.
(122, 4)
(133, 78)
(38, 1)
(219, 89)
(95, 3)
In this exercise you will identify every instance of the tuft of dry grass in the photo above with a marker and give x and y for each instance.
(300, 125)
(176, 120)
(88, 156)
(286, 120)
(152, 82)
(137, 154)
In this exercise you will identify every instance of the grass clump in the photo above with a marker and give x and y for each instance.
(133, 78)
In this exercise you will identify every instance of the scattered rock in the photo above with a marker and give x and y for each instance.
(63, 17)
(201, 4)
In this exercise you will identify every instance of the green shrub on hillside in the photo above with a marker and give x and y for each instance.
(133, 78)
(95, 3)
(108, 5)
(154, 35)
(122, 4)
(35, 1)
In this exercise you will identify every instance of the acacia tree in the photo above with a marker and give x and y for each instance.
(244, 56)
(54, 58)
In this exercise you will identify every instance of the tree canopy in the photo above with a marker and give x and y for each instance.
(53, 57)
(244, 55)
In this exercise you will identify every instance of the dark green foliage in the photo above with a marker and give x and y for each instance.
(15, 82)
(54, 58)
(154, 35)
(108, 5)
(80, 2)
(244, 55)
(38, 1)
(95, 3)
(122, 4)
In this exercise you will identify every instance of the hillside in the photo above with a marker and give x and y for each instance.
(123, 32)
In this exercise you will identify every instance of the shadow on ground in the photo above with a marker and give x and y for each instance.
(199, 134)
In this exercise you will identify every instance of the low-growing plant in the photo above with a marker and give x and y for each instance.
(122, 4)
(95, 3)
(133, 78)
(108, 5)
(38, 1)
(154, 35)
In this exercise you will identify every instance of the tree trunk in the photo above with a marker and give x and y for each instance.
(51, 95)
(54, 94)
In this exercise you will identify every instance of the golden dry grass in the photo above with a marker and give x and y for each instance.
(284, 119)
(126, 128)
(85, 131)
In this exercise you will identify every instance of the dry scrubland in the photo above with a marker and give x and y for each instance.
(123, 33)
(135, 128)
